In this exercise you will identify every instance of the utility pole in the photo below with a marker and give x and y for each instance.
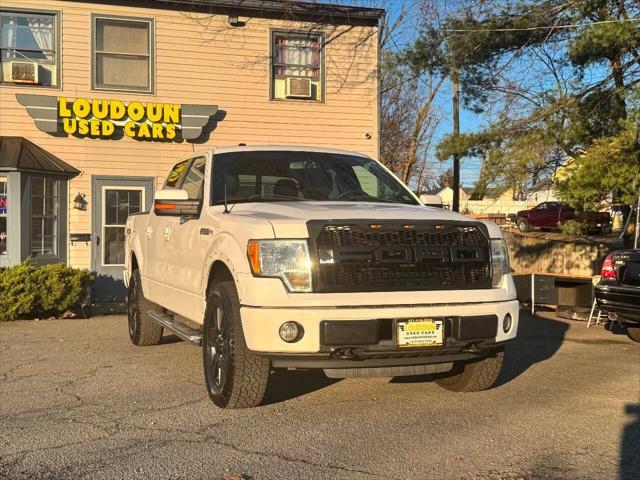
(456, 132)
(635, 241)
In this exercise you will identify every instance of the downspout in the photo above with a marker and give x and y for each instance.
(381, 24)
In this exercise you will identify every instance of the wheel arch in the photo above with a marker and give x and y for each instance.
(218, 272)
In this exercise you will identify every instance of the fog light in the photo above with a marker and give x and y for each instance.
(507, 322)
(290, 331)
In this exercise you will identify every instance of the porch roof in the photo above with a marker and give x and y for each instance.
(20, 154)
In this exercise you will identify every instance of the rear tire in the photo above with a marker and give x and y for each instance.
(143, 330)
(235, 377)
(474, 376)
(523, 225)
(634, 333)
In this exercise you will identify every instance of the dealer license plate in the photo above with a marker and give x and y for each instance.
(420, 332)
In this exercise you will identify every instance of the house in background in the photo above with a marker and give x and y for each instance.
(446, 194)
(543, 191)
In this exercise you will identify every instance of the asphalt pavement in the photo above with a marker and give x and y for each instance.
(78, 401)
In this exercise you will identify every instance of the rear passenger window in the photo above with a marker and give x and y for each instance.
(176, 174)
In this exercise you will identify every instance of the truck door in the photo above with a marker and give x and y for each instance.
(537, 215)
(154, 270)
(187, 249)
(553, 216)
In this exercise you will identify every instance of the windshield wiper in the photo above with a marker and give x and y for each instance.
(273, 195)
(368, 198)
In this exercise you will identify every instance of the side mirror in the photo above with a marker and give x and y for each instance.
(431, 200)
(175, 203)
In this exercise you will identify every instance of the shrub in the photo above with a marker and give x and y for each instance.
(30, 291)
(571, 227)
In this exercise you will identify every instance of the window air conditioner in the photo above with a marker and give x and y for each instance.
(24, 72)
(298, 88)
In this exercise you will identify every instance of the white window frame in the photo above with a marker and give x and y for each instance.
(104, 217)
(57, 57)
(5, 179)
(44, 216)
(94, 52)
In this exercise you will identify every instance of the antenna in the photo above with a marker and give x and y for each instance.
(226, 210)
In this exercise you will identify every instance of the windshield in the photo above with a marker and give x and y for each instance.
(284, 176)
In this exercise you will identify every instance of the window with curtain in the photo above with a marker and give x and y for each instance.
(45, 209)
(296, 55)
(28, 38)
(123, 54)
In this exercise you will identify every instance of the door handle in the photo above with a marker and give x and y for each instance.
(149, 232)
(167, 233)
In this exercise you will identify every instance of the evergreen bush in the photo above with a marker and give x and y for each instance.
(31, 291)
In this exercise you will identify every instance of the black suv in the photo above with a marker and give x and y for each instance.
(618, 292)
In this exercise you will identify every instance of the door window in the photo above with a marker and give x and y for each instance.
(176, 174)
(194, 181)
(118, 203)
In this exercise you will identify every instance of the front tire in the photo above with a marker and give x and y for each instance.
(143, 330)
(523, 225)
(235, 377)
(634, 333)
(474, 376)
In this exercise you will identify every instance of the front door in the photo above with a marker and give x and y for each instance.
(114, 199)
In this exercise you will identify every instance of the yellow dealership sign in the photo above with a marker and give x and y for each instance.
(101, 118)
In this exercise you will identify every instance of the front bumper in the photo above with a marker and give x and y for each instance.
(314, 350)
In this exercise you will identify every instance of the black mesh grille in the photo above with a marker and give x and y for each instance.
(355, 257)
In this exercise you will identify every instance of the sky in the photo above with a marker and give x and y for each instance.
(470, 167)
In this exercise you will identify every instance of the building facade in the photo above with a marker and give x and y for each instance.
(99, 99)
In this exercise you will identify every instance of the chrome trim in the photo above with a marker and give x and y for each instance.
(401, 305)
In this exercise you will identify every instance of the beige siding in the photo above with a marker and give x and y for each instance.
(199, 59)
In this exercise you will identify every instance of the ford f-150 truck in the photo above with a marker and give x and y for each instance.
(550, 215)
(306, 258)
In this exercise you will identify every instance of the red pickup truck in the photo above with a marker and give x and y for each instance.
(549, 215)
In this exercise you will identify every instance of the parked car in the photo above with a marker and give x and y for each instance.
(550, 215)
(618, 291)
(293, 257)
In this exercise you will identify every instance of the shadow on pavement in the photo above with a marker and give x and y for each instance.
(630, 444)
(169, 339)
(538, 339)
(285, 385)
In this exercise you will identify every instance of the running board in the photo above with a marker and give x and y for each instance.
(180, 329)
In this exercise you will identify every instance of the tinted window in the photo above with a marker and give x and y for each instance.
(290, 176)
(176, 174)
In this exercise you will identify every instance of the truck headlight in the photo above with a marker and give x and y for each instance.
(288, 260)
(499, 261)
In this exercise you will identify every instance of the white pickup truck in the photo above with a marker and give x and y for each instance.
(291, 257)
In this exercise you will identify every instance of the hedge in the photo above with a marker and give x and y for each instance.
(31, 291)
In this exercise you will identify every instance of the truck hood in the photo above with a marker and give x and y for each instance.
(289, 219)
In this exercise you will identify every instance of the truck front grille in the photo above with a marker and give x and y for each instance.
(356, 256)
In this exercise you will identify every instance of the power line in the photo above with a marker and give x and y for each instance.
(549, 27)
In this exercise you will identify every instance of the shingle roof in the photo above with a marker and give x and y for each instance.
(20, 154)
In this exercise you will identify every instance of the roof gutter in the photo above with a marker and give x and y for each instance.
(292, 10)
